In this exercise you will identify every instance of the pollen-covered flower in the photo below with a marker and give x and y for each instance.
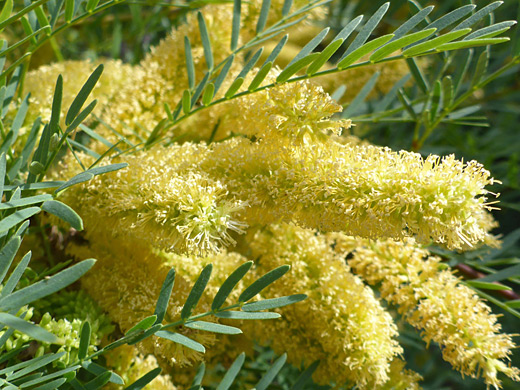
(362, 190)
(285, 111)
(154, 201)
(341, 323)
(436, 303)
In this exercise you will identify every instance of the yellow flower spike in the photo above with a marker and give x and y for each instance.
(341, 323)
(155, 202)
(362, 190)
(436, 303)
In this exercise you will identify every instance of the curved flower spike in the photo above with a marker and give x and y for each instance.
(436, 303)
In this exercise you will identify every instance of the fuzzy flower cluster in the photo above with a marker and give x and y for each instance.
(159, 202)
(362, 190)
(355, 338)
(435, 302)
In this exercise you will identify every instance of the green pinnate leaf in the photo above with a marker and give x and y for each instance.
(264, 281)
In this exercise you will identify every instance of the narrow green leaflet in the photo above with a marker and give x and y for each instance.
(164, 296)
(19, 366)
(28, 328)
(181, 339)
(229, 284)
(55, 384)
(452, 17)
(480, 14)
(361, 96)
(63, 212)
(306, 376)
(367, 29)
(30, 200)
(84, 340)
(234, 87)
(260, 76)
(398, 44)
(19, 118)
(91, 4)
(276, 51)
(89, 174)
(14, 278)
(190, 67)
(69, 10)
(45, 287)
(286, 8)
(503, 274)
(99, 382)
(412, 22)
(3, 165)
(212, 327)
(197, 380)
(197, 291)
(471, 43)
(262, 282)
(186, 101)
(242, 315)
(34, 365)
(199, 89)
(142, 325)
(235, 29)
(206, 43)
(514, 304)
(17, 217)
(232, 373)
(273, 303)
(364, 50)
(264, 13)
(208, 94)
(295, 67)
(7, 9)
(223, 73)
(435, 42)
(309, 47)
(487, 285)
(7, 254)
(482, 65)
(98, 370)
(144, 380)
(324, 56)
(83, 94)
(271, 373)
(491, 31)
